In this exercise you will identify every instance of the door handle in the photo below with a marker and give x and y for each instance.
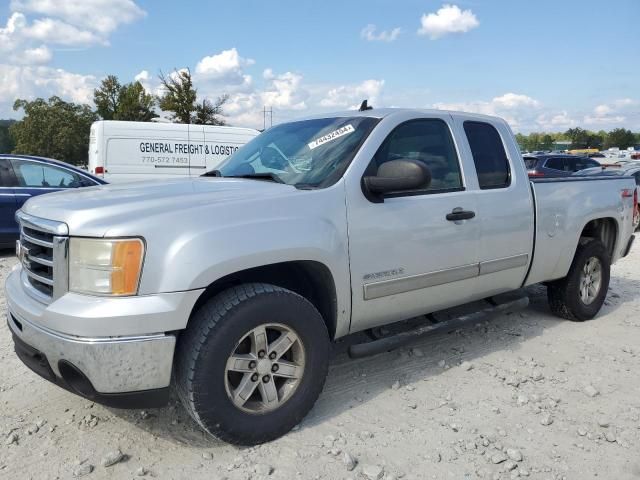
(459, 214)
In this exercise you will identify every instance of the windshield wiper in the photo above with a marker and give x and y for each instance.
(259, 176)
(212, 173)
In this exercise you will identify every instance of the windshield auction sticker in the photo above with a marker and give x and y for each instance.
(341, 132)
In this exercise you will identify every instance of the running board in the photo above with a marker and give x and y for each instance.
(400, 339)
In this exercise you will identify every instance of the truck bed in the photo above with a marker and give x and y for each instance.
(563, 207)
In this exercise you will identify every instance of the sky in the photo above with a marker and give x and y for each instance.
(544, 65)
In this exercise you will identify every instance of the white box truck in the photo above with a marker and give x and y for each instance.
(127, 151)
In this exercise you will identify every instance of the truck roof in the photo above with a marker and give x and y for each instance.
(387, 112)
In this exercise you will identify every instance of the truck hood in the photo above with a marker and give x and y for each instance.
(93, 211)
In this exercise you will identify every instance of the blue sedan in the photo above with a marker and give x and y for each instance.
(23, 177)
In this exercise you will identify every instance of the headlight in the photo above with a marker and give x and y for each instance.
(105, 266)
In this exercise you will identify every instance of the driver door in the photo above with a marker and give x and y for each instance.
(407, 258)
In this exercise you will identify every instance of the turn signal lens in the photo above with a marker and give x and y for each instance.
(127, 260)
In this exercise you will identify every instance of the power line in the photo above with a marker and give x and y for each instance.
(266, 112)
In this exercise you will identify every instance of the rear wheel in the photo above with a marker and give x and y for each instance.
(252, 363)
(580, 295)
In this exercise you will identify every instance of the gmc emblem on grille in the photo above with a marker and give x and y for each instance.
(22, 252)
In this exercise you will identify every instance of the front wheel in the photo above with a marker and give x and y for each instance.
(580, 295)
(252, 363)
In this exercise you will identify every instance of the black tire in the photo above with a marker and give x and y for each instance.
(214, 332)
(564, 294)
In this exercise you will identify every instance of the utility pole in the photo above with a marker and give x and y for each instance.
(266, 112)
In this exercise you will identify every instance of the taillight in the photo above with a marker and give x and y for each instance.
(535, 173)
(99, 171)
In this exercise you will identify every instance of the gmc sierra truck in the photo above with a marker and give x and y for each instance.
(232, 286)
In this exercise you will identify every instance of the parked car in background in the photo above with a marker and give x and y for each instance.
(631, 169)
(23, 177)
(549, 165)
(129, 151)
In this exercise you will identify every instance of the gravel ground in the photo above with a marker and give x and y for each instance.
(520, 395)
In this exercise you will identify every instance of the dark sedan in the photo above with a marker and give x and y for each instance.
(556, 165)
(23, 177)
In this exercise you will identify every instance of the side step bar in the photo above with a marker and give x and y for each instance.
(400, 339)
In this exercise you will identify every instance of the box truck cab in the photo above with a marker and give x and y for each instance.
(127, 151)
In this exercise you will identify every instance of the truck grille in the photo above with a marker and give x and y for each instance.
(43, 254)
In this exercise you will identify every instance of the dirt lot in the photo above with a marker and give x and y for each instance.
(521, 395)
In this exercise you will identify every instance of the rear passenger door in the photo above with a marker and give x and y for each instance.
(504, 205)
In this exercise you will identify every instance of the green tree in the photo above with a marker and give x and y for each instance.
(7, 144)
(579, 137)
(53, 128)
(107, 97)
(135, 104)
(620, 138)
(208, 113)
(523, 141)
(546, 142)
(123, 102)
(180, 98)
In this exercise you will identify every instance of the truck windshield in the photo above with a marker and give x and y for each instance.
(306, 154)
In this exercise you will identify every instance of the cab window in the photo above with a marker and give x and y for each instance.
(428, 141)
(489, 156)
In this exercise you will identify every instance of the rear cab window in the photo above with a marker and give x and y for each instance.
(489, 155)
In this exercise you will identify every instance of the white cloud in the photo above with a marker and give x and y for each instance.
(38, 55)
(350, 96)
(30, 82)
(102, 16)
(448, 19)
(369, 34)
(617, 113)
(143, 76)
(284, 91)
(35, 26)
(496, 106)
(9, 34)
(53, 31)
(226, 66)
(517, 109)
(555, 121)
(514, 100)
(145, 80)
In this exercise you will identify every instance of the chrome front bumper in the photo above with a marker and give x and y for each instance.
(111, 365)
(106, 357)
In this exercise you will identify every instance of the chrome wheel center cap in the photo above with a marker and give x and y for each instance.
(264, 366)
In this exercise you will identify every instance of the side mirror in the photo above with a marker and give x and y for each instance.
(398, 176)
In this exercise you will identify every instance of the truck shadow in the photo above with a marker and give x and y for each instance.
(351, 383)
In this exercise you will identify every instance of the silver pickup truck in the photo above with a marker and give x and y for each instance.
(232, 286)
